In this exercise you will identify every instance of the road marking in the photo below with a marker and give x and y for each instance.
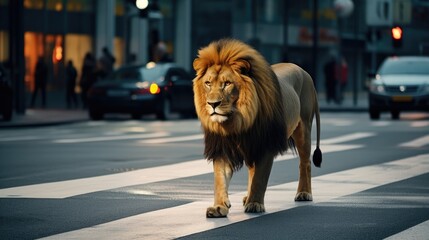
(418, 124)
(381, 124)
(419, 142)
(174, 139)
(69, 188)
(19, 138)
(338, 122)
(419, 231)
(347, 138)
(190, 218)
(112, 138)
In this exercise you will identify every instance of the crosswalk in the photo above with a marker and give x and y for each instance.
(189, 218)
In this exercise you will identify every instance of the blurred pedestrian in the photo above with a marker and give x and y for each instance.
(330, 79)
(160, 53)
(105, 63)
(88, 77)
(40, 78)
(71, 75)
(342, 75)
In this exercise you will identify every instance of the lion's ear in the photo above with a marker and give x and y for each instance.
(242, 66)
(199, 66)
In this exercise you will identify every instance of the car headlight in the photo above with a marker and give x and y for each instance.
(377, 88)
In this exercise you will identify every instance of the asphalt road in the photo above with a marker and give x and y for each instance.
(126, 179)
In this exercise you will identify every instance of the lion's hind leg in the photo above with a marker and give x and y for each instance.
(302, 138)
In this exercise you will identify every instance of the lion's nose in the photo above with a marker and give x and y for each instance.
(214, 104)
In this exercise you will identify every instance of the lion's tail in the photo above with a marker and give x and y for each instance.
(317, 155)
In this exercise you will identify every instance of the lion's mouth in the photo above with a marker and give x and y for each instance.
(219, 117)
(220, 114)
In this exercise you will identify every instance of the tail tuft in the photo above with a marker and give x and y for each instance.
(317, 157)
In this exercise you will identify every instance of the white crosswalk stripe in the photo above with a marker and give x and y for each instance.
(416, 143)
(64, 189)
(153, 225)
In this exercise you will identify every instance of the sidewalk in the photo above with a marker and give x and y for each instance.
(56, 113)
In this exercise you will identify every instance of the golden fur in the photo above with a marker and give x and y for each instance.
(250, 112)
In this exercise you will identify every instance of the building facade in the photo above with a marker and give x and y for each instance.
(282, 30)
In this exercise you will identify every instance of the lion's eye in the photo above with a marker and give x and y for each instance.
(207, 83)
(227, 83)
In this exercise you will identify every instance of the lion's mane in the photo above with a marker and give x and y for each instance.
(262, 129)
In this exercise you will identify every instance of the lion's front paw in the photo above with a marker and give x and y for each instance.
(217, 211)
(254, 207)
(303, 196)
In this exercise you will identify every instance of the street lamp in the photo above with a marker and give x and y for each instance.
(142, 4)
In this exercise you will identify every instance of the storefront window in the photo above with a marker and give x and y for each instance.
(119, 8)
(80, 5)
(56, 5)
(34, 4)
(4, 46)
(33, 48)
(76, 46)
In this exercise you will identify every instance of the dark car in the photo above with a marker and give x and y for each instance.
(6, 96)
(401, 84)
(155, 88)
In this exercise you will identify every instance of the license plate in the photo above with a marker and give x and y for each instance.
(402, 98)
(117, 93)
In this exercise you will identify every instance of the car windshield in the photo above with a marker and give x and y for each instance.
(153, 74)
(405, 67)
(125, 74)
(138, 74)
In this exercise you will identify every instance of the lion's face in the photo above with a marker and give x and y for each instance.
(225, 99)
(221, 93)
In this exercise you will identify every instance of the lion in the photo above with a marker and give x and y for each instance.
(250, 112)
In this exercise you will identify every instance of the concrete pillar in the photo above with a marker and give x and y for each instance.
(139, 40)
(182, 50)
(105, 26)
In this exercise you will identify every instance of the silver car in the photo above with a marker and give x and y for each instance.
(401, 84)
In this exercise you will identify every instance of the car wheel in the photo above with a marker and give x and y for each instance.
(374, 115)
(395, 114)
(95, 115)
(164, 112)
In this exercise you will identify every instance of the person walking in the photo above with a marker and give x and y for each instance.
(330, 80)
(341, 75)
(40, 78)
(88, 77)
(71, 75)
(105, 63)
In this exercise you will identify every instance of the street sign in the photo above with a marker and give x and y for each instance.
(388, 12)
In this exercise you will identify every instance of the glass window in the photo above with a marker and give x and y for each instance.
(76, 47)
(34, 4)
(80, 5)
(405, 67)
(4, 46)
(56, 5)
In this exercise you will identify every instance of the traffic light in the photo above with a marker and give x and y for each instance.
(396, 37)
